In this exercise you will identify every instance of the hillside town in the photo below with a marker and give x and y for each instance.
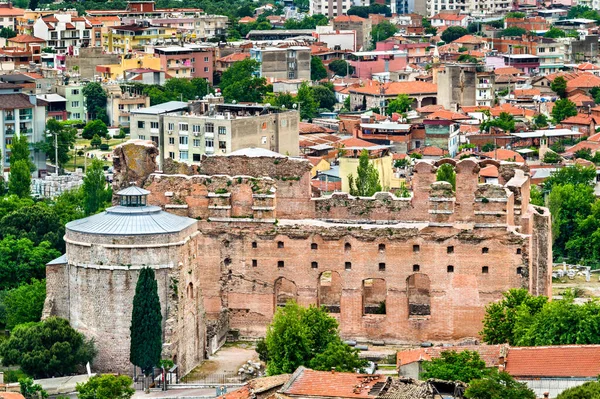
(296, 199)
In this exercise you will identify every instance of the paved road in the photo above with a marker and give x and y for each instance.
(179, 393)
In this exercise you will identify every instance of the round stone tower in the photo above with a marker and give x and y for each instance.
(93, 285)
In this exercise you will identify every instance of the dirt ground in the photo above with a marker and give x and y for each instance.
(226, 360)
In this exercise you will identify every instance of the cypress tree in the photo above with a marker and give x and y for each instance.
(146, 318)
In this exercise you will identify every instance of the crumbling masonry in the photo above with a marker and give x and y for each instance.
(389, 269)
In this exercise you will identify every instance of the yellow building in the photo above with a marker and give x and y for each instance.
(318, 165)
(127, 38)
(128, 61)
(379, 156)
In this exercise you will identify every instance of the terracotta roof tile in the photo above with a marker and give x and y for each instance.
(355, 142)
(581, 100)
(11, 11)
(449, 17)
(234, 57)
(246, 20)
(447, 115)
(502, 154)
(395, 88)
(507, 71)
(476, 108)
(348, 18)
(586, 66)
(579, 119)
(509, 108)
(527, 92)
(26, 39)
(554, 361)
(594, 137)
(469, 39)
(585, 80)
(430, 108)
(306, 382)
(490, 354)
(308, 128)
(489, 171)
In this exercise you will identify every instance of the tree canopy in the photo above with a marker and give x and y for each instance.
(513, 31)
(94, 128)
(366, 182)
(374, 8)
(19, 179)
(382, 31)
(106, 386)
(317, 69)
(306, 100)
(453, 32)
(555, 33)
(96, 194)
(95, 99)
(504, 121)
(239, 83)
(146, 319)
(400, 104)
(563, 109)
(462, 366)
(24, 304)
(446, 173)
(341, 67)
(65, 139)
(300, 336)
(590, 389)
(559, 84)
(498, 385)
(49, 348)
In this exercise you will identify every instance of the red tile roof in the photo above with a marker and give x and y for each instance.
(579, 119)
(507, 71)
(448, 115)
(306, 382)
(476, 108)
(581, 100)
(489, 171)
(395, 88)
(586, 66)
(554, 361)
(527, 92)
(246, 20)
(308, 128)
(594, 137)
(26, 39)
(11, 395)
(502, 154)
(469, 39)
(511, 109)
(348, 18)
(355, 142)
(11, 11)
(234, 57)
(431, 151)
(430, 108)
(449, 17)
(584, 81)
(490, 354)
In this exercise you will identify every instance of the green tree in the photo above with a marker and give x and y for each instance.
(50, 348)
(551, 157)
(68, 206)
(563, 109)
(453, 32)
(584, 153)
(446, 173)
(95, 141)
(21, 261)
(462, 366)
(307, 336)
(500, 317)
(65, 138)
(540, 121)
(536, 197)
(7, 33)
(324, 96)
(555, 33)
(37, 223)
(590, 389)
(467, 58)
(30, 390)
(106, 386)
(498, 385)
(96, 194)
(367, 181)
(341, 68)
(239, 83)
(559, 85)
(306, 101)
(20, 151)
(382, 31)
(33, 4)
(575, 175)
(504, 121)
(317, 69)
(95, 98)
(374, 8)
(400, 104)
(310, 22)
(146, 318)
(25, 303)
(19, 179)
(513, 31)
(94, 128)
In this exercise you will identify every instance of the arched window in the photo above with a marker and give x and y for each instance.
(330, 291)
(419, 290)
(285, 290)
(190, 291)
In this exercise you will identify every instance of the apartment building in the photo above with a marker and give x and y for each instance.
(63, 32)
(100, 26)
(472, 7)
(73, 92)
(332, 8)
(21, 114)
(283, 63)
(9, 15)
(185, 135)
(362, 27)
(126, 38)
(199, 26)
(144, 9)
(120, 104)
(186, 62)
(552, 56)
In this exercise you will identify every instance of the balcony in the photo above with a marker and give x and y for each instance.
(27, 131)
(25, 117)
(209, 135)
(183, 147)
(9, 117)
(484, 86)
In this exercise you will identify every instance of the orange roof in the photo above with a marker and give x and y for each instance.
(307, 128)
(11, 11)
(306, 382)
(578, 119)
(489, 171)
(581, 100)
(246, 20)
(554, 361)
(69, 25)
(448, 115)
(449, 17)
(11, 395)
(469, 128)
(584, 81)
(314, 161)
(511, 109)
(355, 142)
(50, 18)
(502, 154)
(594, 137)
(527, 92)
(234, 57)
(584, 162)
(586, 66)
(507, 71)
(348, 18)
(395, 88)
(26, 39)
(430, 108)
(592, 145)
(476, 108)
(490, 354)
(469, 39)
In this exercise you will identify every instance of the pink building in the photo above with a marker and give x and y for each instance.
(186, 62)
(384, 58)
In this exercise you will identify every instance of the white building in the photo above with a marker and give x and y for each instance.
(63, 32)
(336, 39)
(472, 7)
(332, 8)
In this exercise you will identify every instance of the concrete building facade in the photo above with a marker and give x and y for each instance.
(362, 27)
(465, 85)
(283, 63)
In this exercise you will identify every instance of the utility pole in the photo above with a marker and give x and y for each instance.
(56, 153)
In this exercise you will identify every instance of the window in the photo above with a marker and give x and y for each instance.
(485, 270)
(193, 60)
(171, 126)
(153, 125)
(518, 251)
(416, 248)
(485, 250)
(541, 50)
(263, 140)
(77, 115)
(196, 128)
(172, 140)
(196, 142)
(222, 145)
(348, 265)
(314, 265)
(279, 244)
(280, 263)
(205, 59)
(382, 267)
(450, 269)
(254, 244)
(172, 155)
(142, 137)
(519, 271)
(314, 246)
(205, 69)
(141, 124)
(209, 128)
(74, 104)
(416, 268)
(222, 130)
(196, 157)
(75, 92)
(254, 263)
(450, 249)
(347, 246)
(183, 127)
(381, 247)
(209, 143)
(183, 155)
(183, 140)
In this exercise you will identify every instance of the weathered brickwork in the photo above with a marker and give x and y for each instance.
(394, 269)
